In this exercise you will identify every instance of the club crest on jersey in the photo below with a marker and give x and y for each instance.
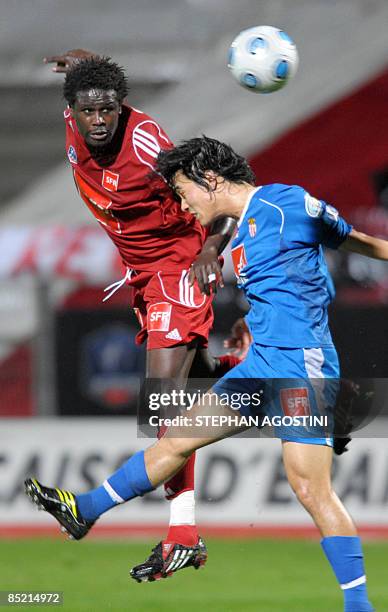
(110, 180)
(295, 402)
(239, 259)
(72, 155)
(314, 207)
(252, 227)
(158, 317)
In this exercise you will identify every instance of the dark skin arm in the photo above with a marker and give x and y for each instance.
(207, 261)
(67, 59)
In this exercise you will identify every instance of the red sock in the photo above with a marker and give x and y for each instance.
(182, 534)
(182, 481)
(227, 362)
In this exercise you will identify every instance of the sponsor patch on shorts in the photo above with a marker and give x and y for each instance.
(158, 317)
(295, 401)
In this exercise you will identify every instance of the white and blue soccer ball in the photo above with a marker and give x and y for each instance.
(263, 59)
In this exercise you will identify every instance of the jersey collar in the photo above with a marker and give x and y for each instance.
(244, 212)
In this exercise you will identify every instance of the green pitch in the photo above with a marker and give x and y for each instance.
(240, 576)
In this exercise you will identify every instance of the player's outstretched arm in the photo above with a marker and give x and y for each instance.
(357, 242)
(206, 268)
(66, 60)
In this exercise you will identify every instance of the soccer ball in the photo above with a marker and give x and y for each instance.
(263, 59)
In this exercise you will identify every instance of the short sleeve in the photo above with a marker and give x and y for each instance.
(148, 139)
(332, 228)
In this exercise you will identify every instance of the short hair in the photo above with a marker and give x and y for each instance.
(95, 73)
(196, 156)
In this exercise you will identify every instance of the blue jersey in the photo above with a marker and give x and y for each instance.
(278, 259)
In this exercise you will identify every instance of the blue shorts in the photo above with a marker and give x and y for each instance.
(291, 382)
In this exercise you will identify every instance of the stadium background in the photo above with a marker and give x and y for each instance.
(69, 373)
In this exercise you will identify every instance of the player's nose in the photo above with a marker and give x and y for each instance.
(98, 119)
(184, 206)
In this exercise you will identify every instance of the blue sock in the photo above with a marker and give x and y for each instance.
(129, 481)
(344, 554)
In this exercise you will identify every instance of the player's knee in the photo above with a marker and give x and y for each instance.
(178, 447)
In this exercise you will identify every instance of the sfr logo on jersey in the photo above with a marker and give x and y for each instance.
(158, 317)
(295, 402)
(239, 259)
(110, 180)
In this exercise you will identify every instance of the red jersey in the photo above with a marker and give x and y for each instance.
(138, 212)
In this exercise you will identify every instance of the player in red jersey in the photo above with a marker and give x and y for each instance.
(171, 261)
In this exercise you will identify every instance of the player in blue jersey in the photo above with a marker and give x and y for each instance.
(278, 258)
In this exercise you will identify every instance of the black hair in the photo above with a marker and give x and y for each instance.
(196, 156)
(95, 73)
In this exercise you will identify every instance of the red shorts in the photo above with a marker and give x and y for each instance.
(170, 312)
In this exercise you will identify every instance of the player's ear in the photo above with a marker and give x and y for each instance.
(212, 179)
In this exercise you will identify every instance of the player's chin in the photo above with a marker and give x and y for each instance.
(203, 221)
